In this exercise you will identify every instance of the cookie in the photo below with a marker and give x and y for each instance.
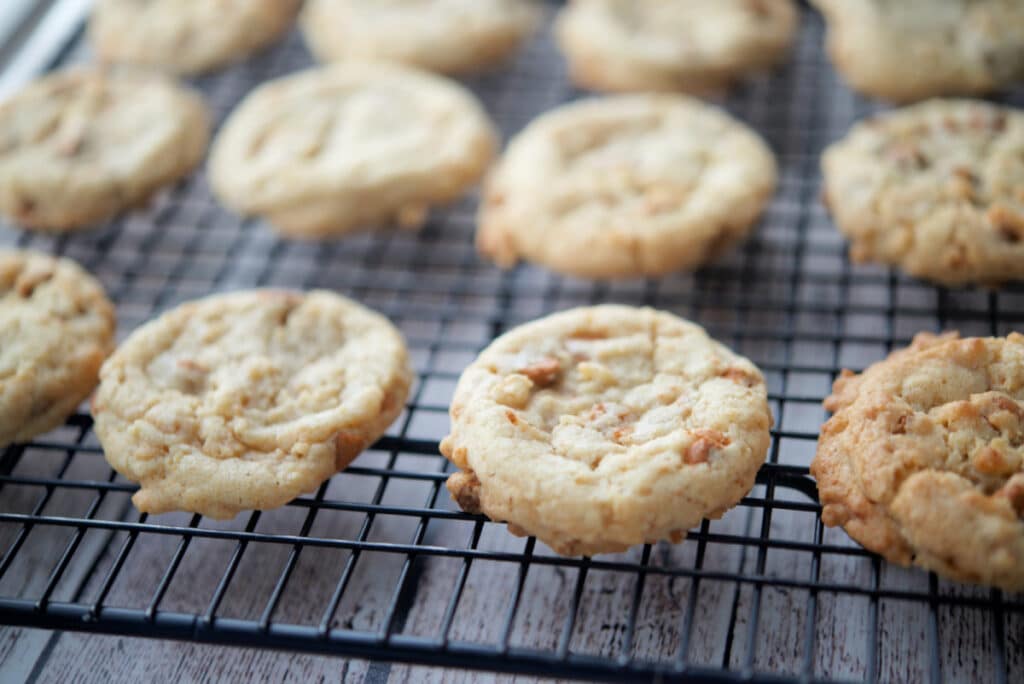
(339, 148)
(247, 400)
(915, 49)
(56, 328)
(698, 46)
(448, 36)
(603, 427)
(79, 146)
(626, 185)
(922, 461)
(935, 188)
(186, 36)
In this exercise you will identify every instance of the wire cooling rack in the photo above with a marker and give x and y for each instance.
(379, 564)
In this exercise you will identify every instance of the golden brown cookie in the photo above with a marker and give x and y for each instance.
(625, 185)
(923, 459)
(906, 50)
(695, 46)
(247, 400)
(351, 146)
(56, 328)
(447, 36)
(186, 36)
(79, 146)
(935, 188)
(603, 427)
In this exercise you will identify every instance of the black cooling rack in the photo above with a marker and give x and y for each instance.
(379, 564)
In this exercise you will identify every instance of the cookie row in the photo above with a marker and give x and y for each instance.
(196, 36)
(594, 429)
(614, 187)
(902, 51)
(619, 186)
(233, 402)
(632, 185)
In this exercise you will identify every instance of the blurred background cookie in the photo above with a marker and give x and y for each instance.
(696, 46)
(56, 328)
(935, 188)
(625, 185)
(79, 146)
(449, 36)
(186, 36)
(915, 49)
(334, 149)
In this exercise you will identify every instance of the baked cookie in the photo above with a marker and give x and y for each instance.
(698, 46)
(186, 36)
(56, 327)
(935, 188)
(334, 149)
(603, 427)
(628, 185)
(923, 460)
(906, 50)
(79, 146)
(247, 400)
(448, 36)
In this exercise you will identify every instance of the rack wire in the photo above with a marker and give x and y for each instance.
(379, 564)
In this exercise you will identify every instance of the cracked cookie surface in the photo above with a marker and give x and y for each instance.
(56, 328)
(697, 46)
(448, 36)
(923, 459)
(935, 188)
(626, 185)
(906, 50)
(247, 400)
(79, 146)
(186, 36)
(599, 428)
(334, 149)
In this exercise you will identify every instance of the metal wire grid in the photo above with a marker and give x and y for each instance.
(379, 563)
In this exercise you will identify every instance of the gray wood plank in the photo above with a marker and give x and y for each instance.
(20, 650)
(92, 658)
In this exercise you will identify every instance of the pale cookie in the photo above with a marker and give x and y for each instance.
(448, 36)
(186, 36)
(906, 50)
(79, 146)
(339, 148)
(696, 46)
(922, 461)
(56, 328)
(247, 400)
(628, 185)
(936, 189)
(603, 427)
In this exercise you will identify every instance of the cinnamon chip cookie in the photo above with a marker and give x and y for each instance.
(449, 36)
(923, 461)
(697, 46)
(186, 36)
(334, 149)
(603, 427)
(905, 50)
(79, 146)
(247, 400)
(627, 185)
(936, 189)
(56, 327)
